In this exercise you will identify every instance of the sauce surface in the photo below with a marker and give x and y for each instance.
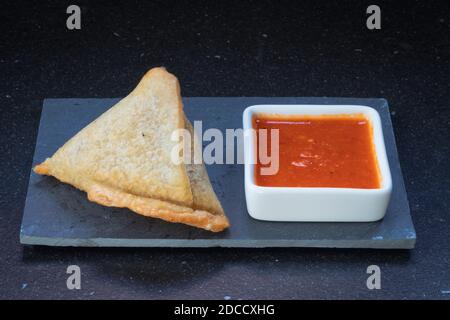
(334, 151)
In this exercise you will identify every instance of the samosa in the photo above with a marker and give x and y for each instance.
(123, 159)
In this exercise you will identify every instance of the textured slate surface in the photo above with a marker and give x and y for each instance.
(59, 215)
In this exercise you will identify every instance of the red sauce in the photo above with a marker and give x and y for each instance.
(333, 151)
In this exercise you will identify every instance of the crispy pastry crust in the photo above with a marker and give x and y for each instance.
(189, 200)
(154, 208)
(157, 209)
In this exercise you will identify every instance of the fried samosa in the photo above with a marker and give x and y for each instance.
(123, 159)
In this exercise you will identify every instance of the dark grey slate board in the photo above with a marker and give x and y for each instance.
(56, 214)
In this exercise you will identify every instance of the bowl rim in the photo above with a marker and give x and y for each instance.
(319, 109)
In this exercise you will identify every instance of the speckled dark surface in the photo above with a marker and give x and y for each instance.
(232, 48)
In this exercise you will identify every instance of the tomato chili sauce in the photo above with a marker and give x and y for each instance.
(334, 151)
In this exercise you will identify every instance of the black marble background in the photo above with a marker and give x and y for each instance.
(231, 48)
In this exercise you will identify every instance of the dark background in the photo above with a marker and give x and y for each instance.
(231, 48)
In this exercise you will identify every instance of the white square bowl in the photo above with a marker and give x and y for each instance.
(316, 204)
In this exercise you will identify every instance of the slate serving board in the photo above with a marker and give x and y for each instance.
(57, 214)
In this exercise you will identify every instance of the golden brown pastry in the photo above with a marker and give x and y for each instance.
(123, 159)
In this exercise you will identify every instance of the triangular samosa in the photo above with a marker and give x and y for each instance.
(123, 159)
